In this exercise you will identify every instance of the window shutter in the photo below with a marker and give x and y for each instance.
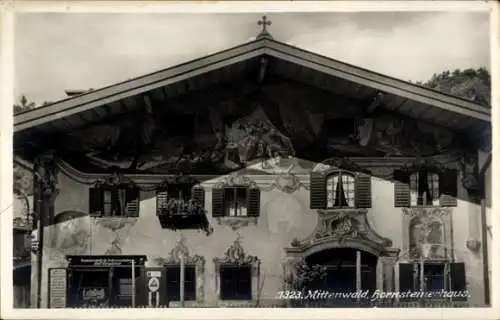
(317, 190)
(405, 278)
(132, 197)
(363, 190)
(161, 201)
(95, 202)
(218, 202)
(448, 188)
(401, 189)
(253, 202)
(458, 280)
(198, 194)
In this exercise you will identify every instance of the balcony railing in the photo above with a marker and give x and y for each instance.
(183, 214)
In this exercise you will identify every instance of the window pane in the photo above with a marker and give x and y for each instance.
(236, 283)
(173, 283)
(433, 182)
(348, 183)
(108, 206)
(414, 189)
(229, 202)
(331, 183)
(241, 201)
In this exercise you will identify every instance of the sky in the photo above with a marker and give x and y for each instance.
(59, 51)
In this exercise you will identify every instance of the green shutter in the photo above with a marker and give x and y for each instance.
(95, 202)
(198, 194)
(218, 202)
(401, 188)
(317, 191)
(363, 190)
(448, 188)
(253, 202)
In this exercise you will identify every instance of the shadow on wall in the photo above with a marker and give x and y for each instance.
(72, 231)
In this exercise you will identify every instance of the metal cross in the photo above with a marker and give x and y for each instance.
(264, 23)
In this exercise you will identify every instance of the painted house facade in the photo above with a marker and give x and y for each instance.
(212, 182)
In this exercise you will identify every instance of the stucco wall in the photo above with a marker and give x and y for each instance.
(283, 217)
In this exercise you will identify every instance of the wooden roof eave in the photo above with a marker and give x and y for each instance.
(101, 97)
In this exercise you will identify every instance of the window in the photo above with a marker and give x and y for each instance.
(340, 190)
(236, 202)
(114, 201)
(236, 283)
(174, 283)
(436, 277)
(424, 186)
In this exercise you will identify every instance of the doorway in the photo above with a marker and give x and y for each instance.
(347, 271)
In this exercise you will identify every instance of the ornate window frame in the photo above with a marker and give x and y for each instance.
(428, 215)
(174, 259)
(235, 255)
(116, 180)
(235, 181)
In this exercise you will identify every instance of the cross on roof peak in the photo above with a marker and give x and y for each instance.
(264, 22)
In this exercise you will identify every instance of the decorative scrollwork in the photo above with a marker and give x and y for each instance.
(235, 254)
(351, 224)
(236, 223)
(181, 251)
(116, 178)
(178, 179)
(236, 179)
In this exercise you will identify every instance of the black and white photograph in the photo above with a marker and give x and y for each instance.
(252, 160)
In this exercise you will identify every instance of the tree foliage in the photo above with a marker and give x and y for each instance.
(471, 84)
(23, 105)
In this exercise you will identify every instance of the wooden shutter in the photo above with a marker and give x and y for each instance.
(218, 202)
(448, 188)
(198, 194)
(253, 202)
(458, 280)
(363, 190)
(161, 201)
(95, 202)
(132, 197)
(317, 190)
(406, 278)
(401, 188)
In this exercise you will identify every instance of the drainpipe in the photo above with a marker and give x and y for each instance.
(484, 230)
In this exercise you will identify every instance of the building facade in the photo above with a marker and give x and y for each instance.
(216, 182)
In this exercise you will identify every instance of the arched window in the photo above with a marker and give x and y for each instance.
(424, 186)
(340, 190)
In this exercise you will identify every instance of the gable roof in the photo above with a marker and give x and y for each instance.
(326, 73)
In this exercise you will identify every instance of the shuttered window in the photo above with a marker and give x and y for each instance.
(340, 189)
(182, 191)
(236, 202)
(114, 201)
(425, 188)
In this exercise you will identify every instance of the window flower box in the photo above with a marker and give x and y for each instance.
(183, 214)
